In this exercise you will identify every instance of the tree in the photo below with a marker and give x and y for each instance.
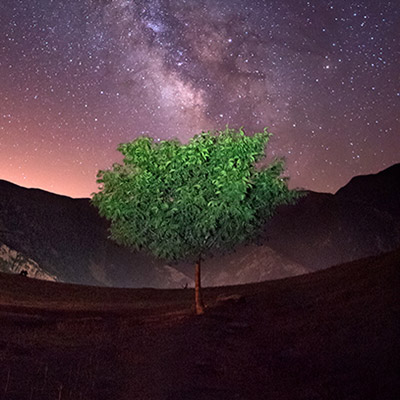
(180, 201)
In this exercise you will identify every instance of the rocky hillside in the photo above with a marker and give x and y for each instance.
(68, 239)
(247, 263)
(361, 219)
(17, 263)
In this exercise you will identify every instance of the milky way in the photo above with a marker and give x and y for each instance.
(79, 77)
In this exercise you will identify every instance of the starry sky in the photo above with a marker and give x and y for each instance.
(78, 77)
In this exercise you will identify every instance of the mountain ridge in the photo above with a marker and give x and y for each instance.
(68, 239)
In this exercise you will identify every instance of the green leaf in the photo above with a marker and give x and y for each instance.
(180, 200)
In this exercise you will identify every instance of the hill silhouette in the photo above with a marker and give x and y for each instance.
(332, 334)
(323, 229)
(68, 239)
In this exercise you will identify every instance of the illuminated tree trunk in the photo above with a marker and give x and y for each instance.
(197, 289)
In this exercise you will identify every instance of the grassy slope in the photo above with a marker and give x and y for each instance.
(328, 335)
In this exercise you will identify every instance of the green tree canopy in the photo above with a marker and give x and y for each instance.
(179, 201)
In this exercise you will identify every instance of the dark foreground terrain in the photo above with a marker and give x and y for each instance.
(333, 334)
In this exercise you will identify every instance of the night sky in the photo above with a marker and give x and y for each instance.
(78, 77)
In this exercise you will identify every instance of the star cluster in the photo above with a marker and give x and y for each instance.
(79, 77)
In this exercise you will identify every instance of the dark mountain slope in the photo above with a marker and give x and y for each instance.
(333, 334)
(361, 219)
(380, 191)
(67, 238)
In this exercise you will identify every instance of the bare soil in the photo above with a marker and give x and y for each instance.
(333, 334)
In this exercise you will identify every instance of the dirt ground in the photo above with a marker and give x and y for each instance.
(333, 334)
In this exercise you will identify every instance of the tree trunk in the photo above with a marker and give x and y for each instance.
(197, 289)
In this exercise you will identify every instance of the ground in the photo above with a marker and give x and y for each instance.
(333, 334)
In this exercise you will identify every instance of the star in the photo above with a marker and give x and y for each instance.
(78, 78)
